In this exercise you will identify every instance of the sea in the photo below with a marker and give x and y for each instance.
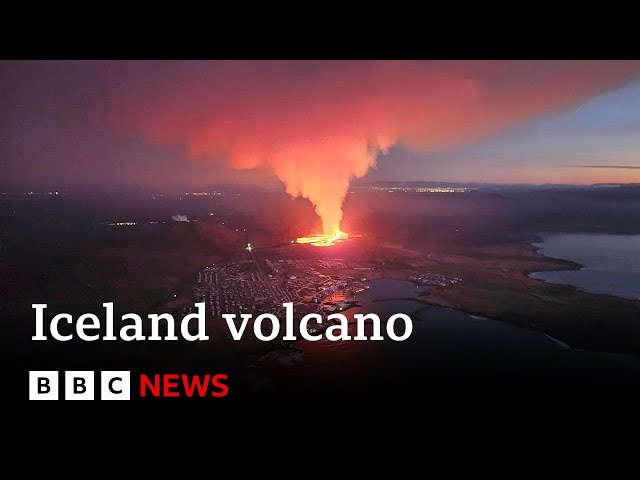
(447, 344)
(610, 263)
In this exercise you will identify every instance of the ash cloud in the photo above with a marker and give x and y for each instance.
(318, 125)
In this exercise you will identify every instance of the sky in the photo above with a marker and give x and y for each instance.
(307, 124)
(596, 141)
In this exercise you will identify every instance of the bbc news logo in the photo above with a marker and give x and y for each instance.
(116, 385)
(79, 385)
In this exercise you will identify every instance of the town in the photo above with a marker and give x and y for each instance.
(324, 285)
(243, 287)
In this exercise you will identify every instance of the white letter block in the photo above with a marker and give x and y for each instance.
(115, 385)
(78, 385)
(43, 385)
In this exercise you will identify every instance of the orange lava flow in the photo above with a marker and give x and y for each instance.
(322, 240)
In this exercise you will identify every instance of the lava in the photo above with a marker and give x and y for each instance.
(322, 240)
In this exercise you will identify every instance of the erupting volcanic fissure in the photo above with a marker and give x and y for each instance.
(320, 168)
(322, 240)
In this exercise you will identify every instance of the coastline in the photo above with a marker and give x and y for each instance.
(477, 314)
(512, 296)
(572, 265)
(568, 265)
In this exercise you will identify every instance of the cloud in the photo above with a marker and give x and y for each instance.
(622, 167)
(317, 125)
(179, 218)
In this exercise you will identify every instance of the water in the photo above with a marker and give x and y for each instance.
(455, 369)
(446, 343)
(611, 263)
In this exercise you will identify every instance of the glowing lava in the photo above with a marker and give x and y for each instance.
(322, 240)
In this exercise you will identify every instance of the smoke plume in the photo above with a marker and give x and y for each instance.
(317, 125)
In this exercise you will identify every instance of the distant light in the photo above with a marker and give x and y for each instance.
(122, 224)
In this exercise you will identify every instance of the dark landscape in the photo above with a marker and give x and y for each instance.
(62, 250)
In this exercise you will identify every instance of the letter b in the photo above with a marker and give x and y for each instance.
(43, 385)
(78, 385)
